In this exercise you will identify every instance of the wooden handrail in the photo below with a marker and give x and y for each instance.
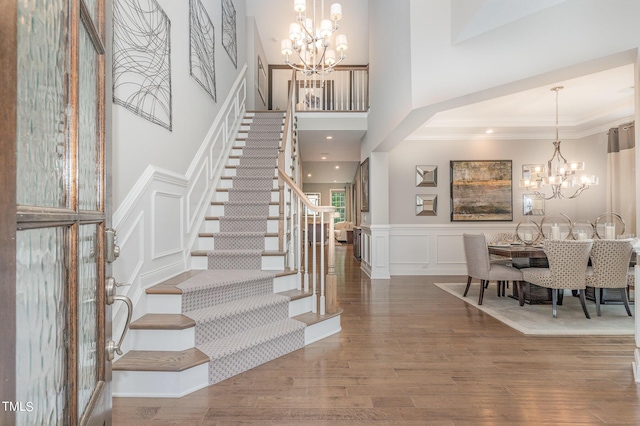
(296, 248)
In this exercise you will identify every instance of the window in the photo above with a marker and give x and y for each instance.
(338, 201)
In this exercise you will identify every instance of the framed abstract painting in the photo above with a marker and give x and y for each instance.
(481, 190)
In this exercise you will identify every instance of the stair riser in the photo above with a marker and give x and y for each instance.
(232, 171)
(218, 210)
(223, 196)
(162, 340)
(269, 263)
(228, 184)
(239, 362)
(218, 328)
(213, 226)
(160, 384)
(285, 283)
(164, 303)
(208, 243)
(300, 306)
(321, 330)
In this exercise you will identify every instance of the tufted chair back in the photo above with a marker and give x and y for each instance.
(568, 260)
(610, 263)
(475, 249)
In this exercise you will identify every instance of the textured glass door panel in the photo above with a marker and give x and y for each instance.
(89, 140)
(42, 103)
(87, 314)
(41, 297)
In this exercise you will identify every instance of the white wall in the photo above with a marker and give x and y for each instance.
(138, 143)
(255, 49)
(389, 69)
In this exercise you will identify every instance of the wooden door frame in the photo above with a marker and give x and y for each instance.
(8, 123)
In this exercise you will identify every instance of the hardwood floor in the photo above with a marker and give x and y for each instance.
(409, 353)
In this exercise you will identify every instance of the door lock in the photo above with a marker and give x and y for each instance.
(112, 249)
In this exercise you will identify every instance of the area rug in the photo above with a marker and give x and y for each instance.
(538, 319)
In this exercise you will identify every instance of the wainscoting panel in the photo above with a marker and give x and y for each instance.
(434, 249)
(409, 250)
(166, 224)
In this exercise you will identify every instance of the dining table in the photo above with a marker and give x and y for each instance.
(526, 256)
(533, 256)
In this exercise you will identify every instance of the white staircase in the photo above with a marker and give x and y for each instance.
(204, 326)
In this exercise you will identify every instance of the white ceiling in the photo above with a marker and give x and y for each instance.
(586, 105)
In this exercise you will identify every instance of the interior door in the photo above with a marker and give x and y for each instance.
(54, 313)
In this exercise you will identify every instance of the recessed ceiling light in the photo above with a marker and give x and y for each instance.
(329, 137)
(324, 158)
(337, 167)
(309, 175)
(489, 131)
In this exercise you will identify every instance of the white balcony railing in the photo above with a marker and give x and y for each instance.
(346, 89)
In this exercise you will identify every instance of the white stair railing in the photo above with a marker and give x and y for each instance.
(297, 213)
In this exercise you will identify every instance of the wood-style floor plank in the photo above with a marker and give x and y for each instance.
(411, 354)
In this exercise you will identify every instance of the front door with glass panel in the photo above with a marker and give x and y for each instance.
(62, 374)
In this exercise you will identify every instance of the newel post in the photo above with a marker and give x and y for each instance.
(331, 279)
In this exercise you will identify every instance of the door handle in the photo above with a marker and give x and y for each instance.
(110, 286)
(110, 297)
(113, 347)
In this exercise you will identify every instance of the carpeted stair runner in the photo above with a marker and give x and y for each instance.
(240, 322)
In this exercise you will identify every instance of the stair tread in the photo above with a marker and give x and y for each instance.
(258, 178)
(246, 190)
(213, 234)
(264, 252)
(173, 361)
(296, 294)
(310, 318)
(169, 286)
(212, 276)
(163, 322)
(241, 218)
(243, 203)
(237, 342)
(234, 307)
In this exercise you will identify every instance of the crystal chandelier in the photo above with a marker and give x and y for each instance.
(310, 39)
(560, 174)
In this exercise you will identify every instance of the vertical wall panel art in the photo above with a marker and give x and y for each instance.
(202, 47)
(229, 40)
(142, 59)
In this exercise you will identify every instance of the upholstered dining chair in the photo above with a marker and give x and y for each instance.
(568, 260)
(479, 266)
(609, 269)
